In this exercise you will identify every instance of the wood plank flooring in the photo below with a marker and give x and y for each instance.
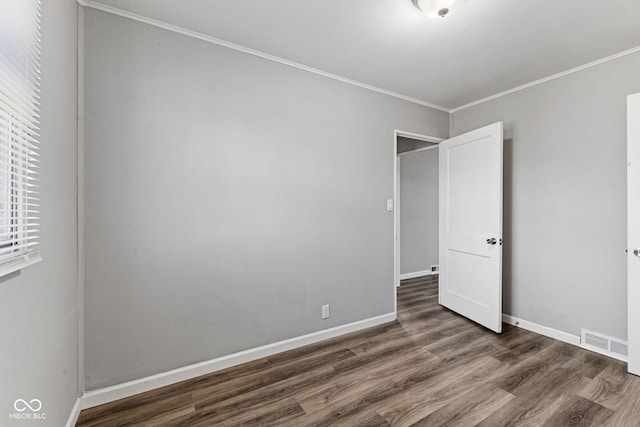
(429, 368)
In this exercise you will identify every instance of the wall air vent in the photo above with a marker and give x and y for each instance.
(604, 344)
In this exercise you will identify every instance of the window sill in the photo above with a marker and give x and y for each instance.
(19, 263)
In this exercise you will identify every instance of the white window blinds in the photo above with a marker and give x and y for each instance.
(19, 107)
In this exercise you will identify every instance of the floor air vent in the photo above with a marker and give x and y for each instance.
(604, 344)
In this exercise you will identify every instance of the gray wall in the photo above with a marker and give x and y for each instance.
(39, 305)
(565, 196)
(227, 199)
(418, 211)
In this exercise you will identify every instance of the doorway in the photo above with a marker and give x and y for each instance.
(470, 169)
(416, 205)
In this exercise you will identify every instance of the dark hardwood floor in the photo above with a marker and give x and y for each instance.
(429, 368)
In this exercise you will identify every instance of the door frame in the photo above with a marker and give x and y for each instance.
(396, 201)
(633, 291)
(398, 173)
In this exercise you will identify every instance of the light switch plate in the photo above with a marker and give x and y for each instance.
(390, 205)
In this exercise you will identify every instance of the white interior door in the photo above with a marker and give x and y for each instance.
(633, 231)
(471, 225)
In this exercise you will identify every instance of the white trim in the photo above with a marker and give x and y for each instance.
(80, 197)
(418, 150)
(120, 391)
(548, 78)
(542, 330)
(396, 201)
(19, 262)
(633, 235)
(206, 38)
(396, 220)
(576, 340)
(75, 413)
(405, 276)
(417, 136)
(200, 36)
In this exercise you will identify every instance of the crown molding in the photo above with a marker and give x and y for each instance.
(200, 36)
(209, 39)
(549, 78)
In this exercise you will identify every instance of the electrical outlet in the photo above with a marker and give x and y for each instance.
(325, 311)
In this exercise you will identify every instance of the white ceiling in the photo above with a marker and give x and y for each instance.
(486, 47)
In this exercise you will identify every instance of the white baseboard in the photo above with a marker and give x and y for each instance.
(75, 413)
(404, 276)
(542, 330)
(120, 391)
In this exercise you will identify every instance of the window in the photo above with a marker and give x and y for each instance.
(19, 107)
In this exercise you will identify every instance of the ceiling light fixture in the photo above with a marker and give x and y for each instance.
(437, 8)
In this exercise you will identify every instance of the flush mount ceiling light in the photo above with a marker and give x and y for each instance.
(437, 8)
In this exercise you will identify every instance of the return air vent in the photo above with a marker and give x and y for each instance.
(604, 344)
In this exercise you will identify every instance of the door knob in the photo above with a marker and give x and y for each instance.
(636, 252)
(493, 241)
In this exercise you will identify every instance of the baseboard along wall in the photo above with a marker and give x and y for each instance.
(75, 413)
(121, 391)
(130, 388)
(542, 330)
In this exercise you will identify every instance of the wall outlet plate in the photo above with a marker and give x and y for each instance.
(325, 311)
